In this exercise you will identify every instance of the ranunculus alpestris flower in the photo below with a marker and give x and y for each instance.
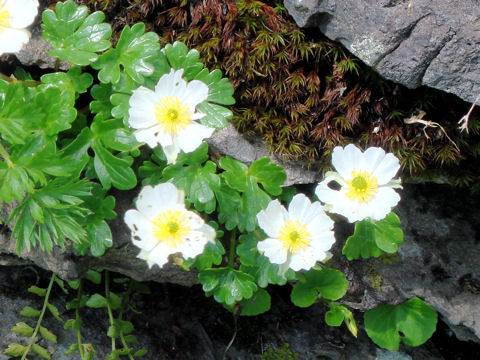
(366, 183)
(15, 16)
(167, 115)
(297, 238)
(161, 225)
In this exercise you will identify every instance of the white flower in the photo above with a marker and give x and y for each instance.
(167, 115)
(297, 238)
(15, 16)
(162, 226)
(366, 181)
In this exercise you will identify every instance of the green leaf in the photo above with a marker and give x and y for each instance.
(30, 312)
(303, 295)
(199, 182)
(220, 90)
(37, 349)
(257, 304)
(60, 217)
(96, 301)
(140, 352)
(111, 169)
(412, 322)
(339, 314)
(258, 265)
(370, 238)
(15, 350)
(22, 328)
(329, 283)
(215, 115)
(227, 285)
(48, 335)
(54, 311)
(115, 301)
(133, 54)
(73, 82)
(235, 174)
(16, 112)
(179, 57)
(270, 175)
(74, 36)
(99, 236)
(72, 349)
(93, 276)
(37, 291)
(212, 254)
(61, 284)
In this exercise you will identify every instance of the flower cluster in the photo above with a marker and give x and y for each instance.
(15, 17)
(296, 238)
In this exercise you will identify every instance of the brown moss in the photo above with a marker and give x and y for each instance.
(304, 94)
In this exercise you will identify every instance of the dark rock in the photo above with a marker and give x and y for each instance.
(412, 42)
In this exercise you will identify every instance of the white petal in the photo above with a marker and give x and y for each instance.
(22, 12)
(192, 136)
(148, 136)
(12, 40)
(141, 228)
(168, 82)
(196, 92)
(384, 201)
(273, 250)
(325, 194)
(142, 108)
(171, 152)
(319, 224)
(194, 243)
(153, 200)
(303, 210)
(344, 160)
(322, 243)
(372, 157)
(304, 259)
(194, 221)
(272, 218)
(387, 169)
(159, 255)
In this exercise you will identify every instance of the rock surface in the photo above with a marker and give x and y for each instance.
(412, 42)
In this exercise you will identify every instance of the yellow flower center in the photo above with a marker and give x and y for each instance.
(362, 186)
(170, 227)
(4, 18)
(172, 114)
(293, 236)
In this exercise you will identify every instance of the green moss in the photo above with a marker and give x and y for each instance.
(281, 353)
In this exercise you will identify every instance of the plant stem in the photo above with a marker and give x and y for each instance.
(125, 301)
(77, 319)
(109, 309)
(40, 318)
(231, 255)
(5, 156)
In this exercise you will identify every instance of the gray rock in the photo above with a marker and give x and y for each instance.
(439, 260)
(412, 42)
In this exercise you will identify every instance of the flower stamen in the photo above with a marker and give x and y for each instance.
(361, 187)
(293, 236)
(4, 18)
(172, 114)
(170, 227)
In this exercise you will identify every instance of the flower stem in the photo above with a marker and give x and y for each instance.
(109, 308)
(125, 301)
(233, 243)
(40, 318)
(77, 319)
